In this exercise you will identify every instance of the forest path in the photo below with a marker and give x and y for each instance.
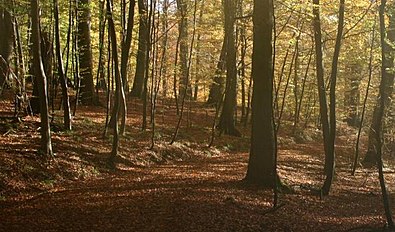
(202, 194)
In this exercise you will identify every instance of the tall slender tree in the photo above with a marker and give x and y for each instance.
(377, 126)
(141, 62)
(165, 41)
(328, 121)
(46, 145)
(61, 72)
(330, 158)
(126, 44)
(198, 55)
(85, 52)
(118, 82)
(185, 94)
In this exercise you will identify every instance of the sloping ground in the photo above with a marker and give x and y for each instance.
(181, 187)
(199, 195)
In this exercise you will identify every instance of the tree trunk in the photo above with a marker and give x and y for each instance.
(262, 153)
(227, 122)
(301, 97)
(109, 85)
(242, 69)
(217, 87)
(163, 67)
(320, 81)
(6, 41)
(126, 43)
(62, 74)
(352, 95)
(100, 79)
(85, 52)
(330, 158)
(386, 60)
(149, 40)
(198, 56)
(22, 96)
(182, 7)
(388, 82)
(138, 83)
(372, 47)
(46, 146)
(118, 80)
(47, 57)
(185, 94)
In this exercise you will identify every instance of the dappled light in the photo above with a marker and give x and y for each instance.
(197, 115)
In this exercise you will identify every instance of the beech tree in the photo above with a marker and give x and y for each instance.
(46, 145)
(227, 122)
(184, 84)
(328, 121)
(119, 93)
(388, 85)
(61, 72)
(261, 164)
(217, 86)
(377, 125)
(141, 61)
(85, 52)
(6, 42)
(126, 43)
(125, 46)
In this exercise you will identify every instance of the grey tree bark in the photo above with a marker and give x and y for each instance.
(87, 88)
(46, 145)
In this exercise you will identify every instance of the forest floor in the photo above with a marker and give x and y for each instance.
(181, 187)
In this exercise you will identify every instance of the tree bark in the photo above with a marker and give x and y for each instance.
(149, 34)
(126, 43)
(164, 59)
(46, 145)
(62, 74)
(227, 122)
(119, 93)
(262, 152)
(217, 87)
(388, 82)
(386, 59)
(320, 81)
(21, 95)
(100, 79)
(372, 46)
(185, 94)
(330, 158)
(85, 52)
(182, 6)
(198, 56)
(6, 41)
(352, 95)
(138, 83)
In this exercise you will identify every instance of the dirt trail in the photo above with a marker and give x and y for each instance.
(198, 195)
